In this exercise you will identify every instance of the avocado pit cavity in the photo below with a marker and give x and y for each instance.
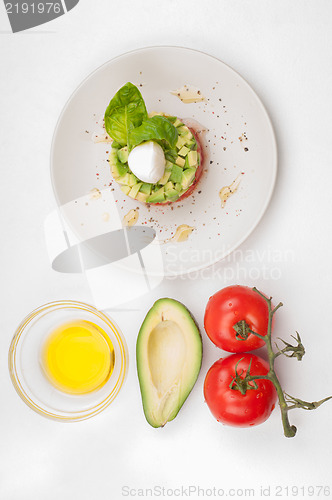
(166, 355)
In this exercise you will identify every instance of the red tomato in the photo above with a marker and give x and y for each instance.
(228, 405)
(229, 306)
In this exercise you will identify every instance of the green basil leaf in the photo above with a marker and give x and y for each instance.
(125, 112)
(157, 128)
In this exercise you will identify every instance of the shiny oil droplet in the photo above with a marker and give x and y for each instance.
(188, 94)
(95, 194)
(130, 218)
(227, 191)
(182, 233)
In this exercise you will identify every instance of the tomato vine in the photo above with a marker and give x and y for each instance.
(286, 402)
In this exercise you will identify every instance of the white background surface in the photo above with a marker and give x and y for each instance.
(283, 49)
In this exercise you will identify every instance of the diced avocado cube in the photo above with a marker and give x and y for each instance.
(124, 179)
(169, 165)
(146, 188)
(157, 196)
(176, 174)
(177, 123)
(125, 189)
(116, 145)
(180, 161)
(182, 129)
(134, 190)
(118, 170)
(169, 185)
(180, 142)
(142, 197)
(172, 194)
(184, 151)
(188, 135)
(188, 176)
(132, 180)
(178, 187)
(192, 158)
(123, 154)
(113, 157)
(185, 133)
(165, 177)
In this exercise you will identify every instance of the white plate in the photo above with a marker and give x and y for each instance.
(240, 139)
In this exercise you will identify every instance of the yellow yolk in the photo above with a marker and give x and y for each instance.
(78, 357)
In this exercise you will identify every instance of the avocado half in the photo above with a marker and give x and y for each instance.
(169, 357)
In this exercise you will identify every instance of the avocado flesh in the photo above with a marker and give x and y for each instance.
(172, 194)
(157, 197)
(165, 177)
(146, 188)
(187, 177)
(176, 174)
(123, 154)
(192, 158)
(117, 168)
(134, 190)
(169, 357)
(141, 197)
(125, 189)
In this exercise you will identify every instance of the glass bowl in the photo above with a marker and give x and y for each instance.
(27, 373)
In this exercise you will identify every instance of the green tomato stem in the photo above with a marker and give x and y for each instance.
(286, 402)
(289, 430)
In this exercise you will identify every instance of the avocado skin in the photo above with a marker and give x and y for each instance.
(197, 338)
